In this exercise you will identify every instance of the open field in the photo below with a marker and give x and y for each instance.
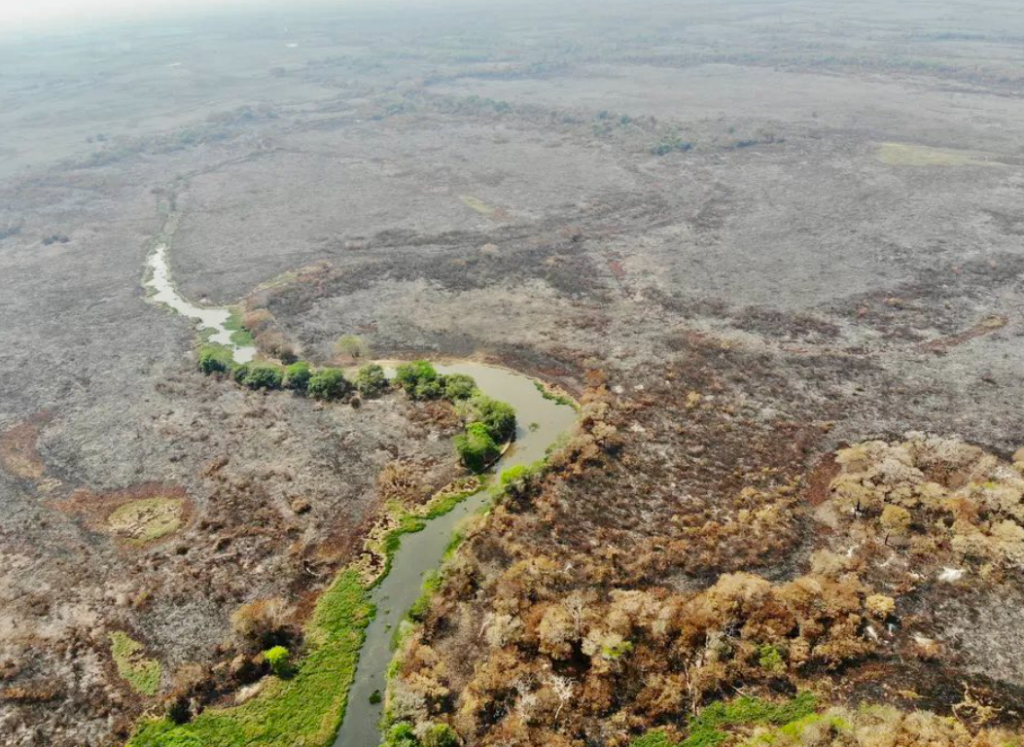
(751, 234)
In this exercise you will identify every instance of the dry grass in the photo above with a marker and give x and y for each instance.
(18, 453)
(905, 154)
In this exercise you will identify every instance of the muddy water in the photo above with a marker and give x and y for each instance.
(207, 317)
(540, 423)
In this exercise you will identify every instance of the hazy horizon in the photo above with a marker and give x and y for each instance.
(69, 15)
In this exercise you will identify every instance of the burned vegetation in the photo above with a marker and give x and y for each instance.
(682, 552)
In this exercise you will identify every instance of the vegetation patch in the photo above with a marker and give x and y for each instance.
(147, 520)
(562, 399)
(306, 707)
(240, 336)
(302, 711)
(708, 728)
(905, 154)
(479, 206)
(141, 673)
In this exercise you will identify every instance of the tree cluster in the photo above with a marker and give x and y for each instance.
(322, 383)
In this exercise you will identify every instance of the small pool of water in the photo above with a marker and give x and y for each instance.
(206, 317)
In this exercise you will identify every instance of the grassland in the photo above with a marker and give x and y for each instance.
(141, 673)
(147, 520)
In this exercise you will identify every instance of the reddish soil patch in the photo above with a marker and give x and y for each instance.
(818, 482)
(18, 452)
(95, 509)
(985, 327)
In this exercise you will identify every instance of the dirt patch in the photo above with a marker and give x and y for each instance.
(19, 454)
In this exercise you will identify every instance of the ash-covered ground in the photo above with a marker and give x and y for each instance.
(768, 230)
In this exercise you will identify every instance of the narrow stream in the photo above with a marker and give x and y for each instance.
(207, 317)
(540, 422)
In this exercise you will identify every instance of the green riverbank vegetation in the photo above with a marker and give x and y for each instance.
(489, 422)
(304, 704)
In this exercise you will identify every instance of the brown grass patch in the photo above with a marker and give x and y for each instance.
(19, 454)
(986, 326)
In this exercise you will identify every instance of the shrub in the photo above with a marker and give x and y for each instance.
(328, 383)
(257, 320)
(459, 386)
(498, 417)
(401, 735)
(352, 346)
(277, 657)
(371, 381)
(180, 710)
(411, 375)
(275, 345)
(518, 482)
(261, 623)
(239, 372)
(432, 389)
(770, 659)
(440, 735)
(264, 376)
(297, 376)
(214, 359)
(476, 447)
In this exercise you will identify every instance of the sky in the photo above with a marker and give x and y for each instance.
(17, 15)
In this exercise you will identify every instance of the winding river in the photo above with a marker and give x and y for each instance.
(162, 291)
(540, 424)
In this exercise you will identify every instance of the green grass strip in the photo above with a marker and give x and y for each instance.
(304, 711)
(706, 728)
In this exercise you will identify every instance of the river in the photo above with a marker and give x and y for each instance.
(540, 422)
(207, 317)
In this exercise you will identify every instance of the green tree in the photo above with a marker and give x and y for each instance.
(431, 389)
(352, 346)
(214, 359)
(371, 381)
(459, 386)
(277, 657)
(264, 376)
(297, 376)
(416, 376)
(498, 417)
(476, 448)
(328, 383)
